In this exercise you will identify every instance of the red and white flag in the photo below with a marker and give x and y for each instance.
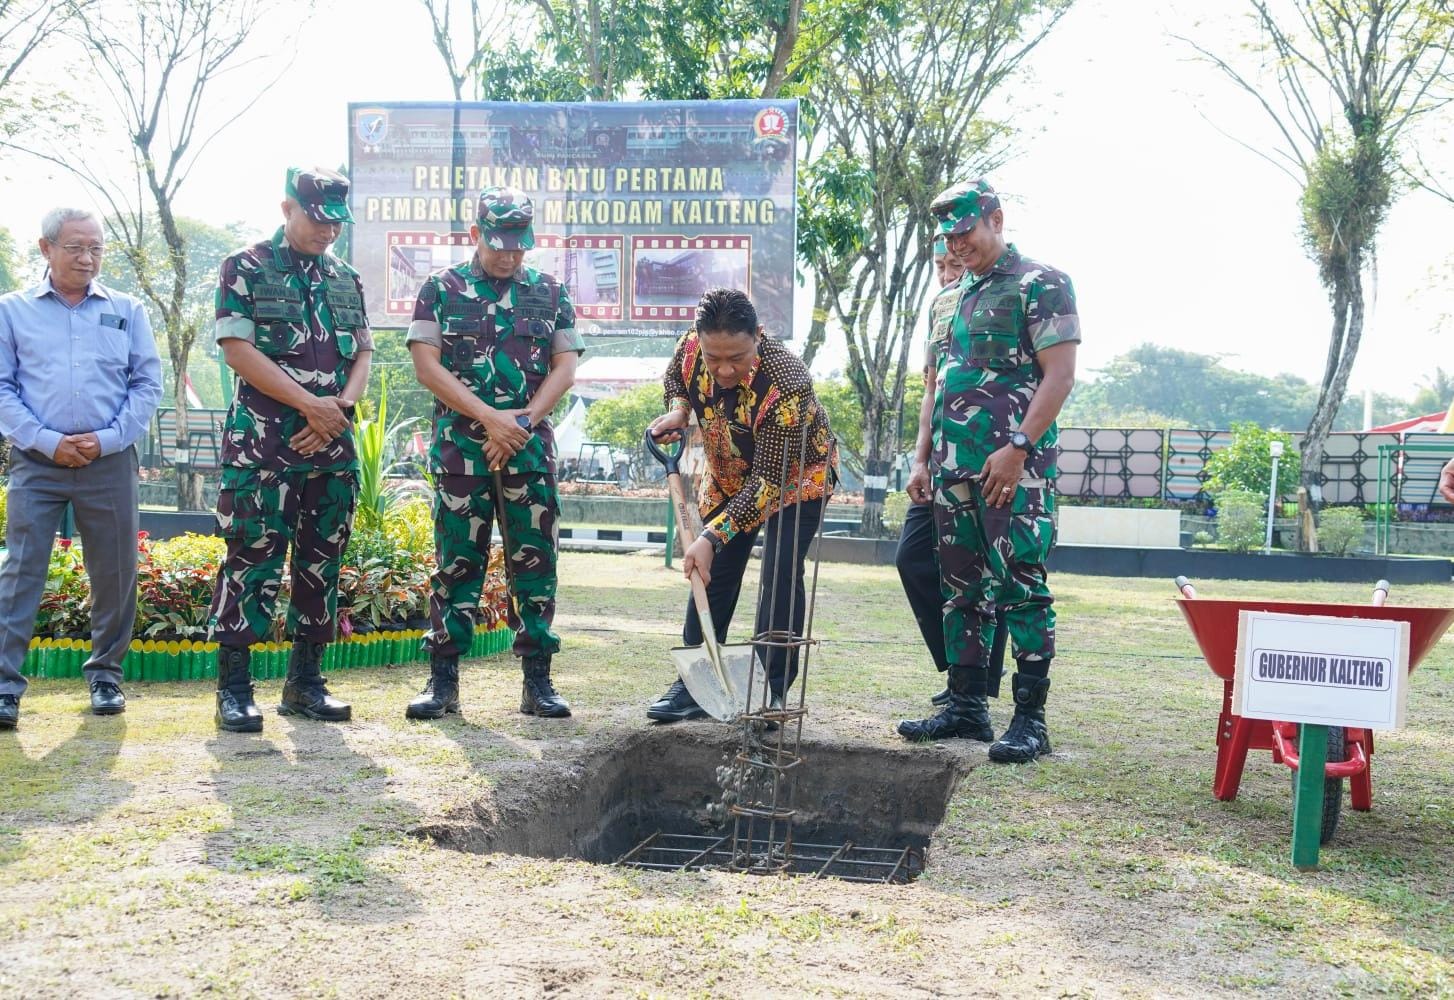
(193, 400)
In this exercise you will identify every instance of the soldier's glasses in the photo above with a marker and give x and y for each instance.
(77, 249)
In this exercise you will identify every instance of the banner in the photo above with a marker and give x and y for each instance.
(639, 207)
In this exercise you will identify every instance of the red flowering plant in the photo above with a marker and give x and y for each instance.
(65, 606)
(174, 585)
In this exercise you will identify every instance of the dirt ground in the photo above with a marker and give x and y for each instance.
(147, 855)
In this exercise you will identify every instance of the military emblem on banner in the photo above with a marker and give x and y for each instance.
(771, 125)
(371, 125)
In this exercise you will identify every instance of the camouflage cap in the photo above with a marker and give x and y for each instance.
(941, 247)
(959, 207)
(322, 194)
(504, 218)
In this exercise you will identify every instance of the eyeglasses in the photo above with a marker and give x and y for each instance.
(77, 249)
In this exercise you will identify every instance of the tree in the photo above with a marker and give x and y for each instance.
(205, 247)
(26, 26)
(621, 420)
(1383, 65)
(845, 418)
(1436, 392)
(12, 265)
(1246, 463)
(907, 100)
(463, 66)
(156, 61)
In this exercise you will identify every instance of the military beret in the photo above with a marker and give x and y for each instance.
(322, 194)
(959, 207)
(504, 217)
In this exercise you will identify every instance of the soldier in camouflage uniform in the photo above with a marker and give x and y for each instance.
(291, 324)
(917, 557)
(496, 343)
(1008, 366)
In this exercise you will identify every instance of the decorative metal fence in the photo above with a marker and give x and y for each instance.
(1171, 465)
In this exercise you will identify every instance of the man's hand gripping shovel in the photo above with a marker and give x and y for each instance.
(716, 675)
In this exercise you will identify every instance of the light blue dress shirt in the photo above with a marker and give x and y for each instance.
(65, 369)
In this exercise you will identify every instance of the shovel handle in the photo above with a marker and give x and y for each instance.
(668, 456)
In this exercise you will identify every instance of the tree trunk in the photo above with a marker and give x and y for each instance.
(1342, 352)
(878, 452)
(818, 328)
(189, 481)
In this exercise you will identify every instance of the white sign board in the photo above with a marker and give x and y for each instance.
(1321, 670)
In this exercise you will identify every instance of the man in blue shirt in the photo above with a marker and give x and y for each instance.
(79, 381)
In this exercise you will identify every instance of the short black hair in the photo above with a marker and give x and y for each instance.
(726, 310)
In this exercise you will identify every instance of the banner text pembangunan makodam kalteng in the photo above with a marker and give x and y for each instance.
(638, 207)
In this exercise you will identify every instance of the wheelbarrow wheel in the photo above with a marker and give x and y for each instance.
(1332, 787)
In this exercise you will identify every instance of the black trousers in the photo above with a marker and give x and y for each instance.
(782, 603)
(918, 564)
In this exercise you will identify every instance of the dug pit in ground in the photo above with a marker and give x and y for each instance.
(600, 804)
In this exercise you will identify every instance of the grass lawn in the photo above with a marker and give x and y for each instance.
(149, 855)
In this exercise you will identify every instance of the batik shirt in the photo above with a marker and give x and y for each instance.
(748, 429)
(307, 315)
(990, 370)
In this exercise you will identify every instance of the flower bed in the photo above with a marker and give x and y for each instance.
(170, 660)
(383, 605)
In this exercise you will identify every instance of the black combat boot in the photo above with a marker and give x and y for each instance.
(1027, 737)
(305, 691)
(236, 712)
(941, 699)
(441, 695)
(967, 715)
(537, 694)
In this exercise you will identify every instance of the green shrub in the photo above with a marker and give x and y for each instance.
(1339, 529)
(1202, 538)
(1241, 520)
(189, 551)
(409, 524)
(895, 510)
(1246, 463)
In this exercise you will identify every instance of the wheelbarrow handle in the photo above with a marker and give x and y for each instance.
(1380, 593)
(1187, 590)
(668, 456)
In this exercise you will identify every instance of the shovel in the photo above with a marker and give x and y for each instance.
(716, 675)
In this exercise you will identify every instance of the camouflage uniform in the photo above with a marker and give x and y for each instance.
(498, 337)
(992, 558)
(306, 314)
(1001, 321)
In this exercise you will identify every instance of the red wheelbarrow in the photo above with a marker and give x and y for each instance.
(1350, 750)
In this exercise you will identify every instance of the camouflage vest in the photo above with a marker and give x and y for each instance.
(502, 351)
(280, 315)
(285, 307)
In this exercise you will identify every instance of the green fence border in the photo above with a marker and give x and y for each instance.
(151, 660)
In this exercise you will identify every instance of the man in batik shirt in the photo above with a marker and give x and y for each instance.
(753, 399)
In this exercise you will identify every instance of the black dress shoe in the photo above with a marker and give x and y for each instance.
(677, 705)
(106, 698)
(9, 711)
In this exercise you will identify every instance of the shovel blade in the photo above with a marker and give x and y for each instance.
(722, 696)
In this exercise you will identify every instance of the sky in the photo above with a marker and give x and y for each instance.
(1171, 231)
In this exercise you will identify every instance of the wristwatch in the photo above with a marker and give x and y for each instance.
(715, 540)
(1021, 440)
(525, 423)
